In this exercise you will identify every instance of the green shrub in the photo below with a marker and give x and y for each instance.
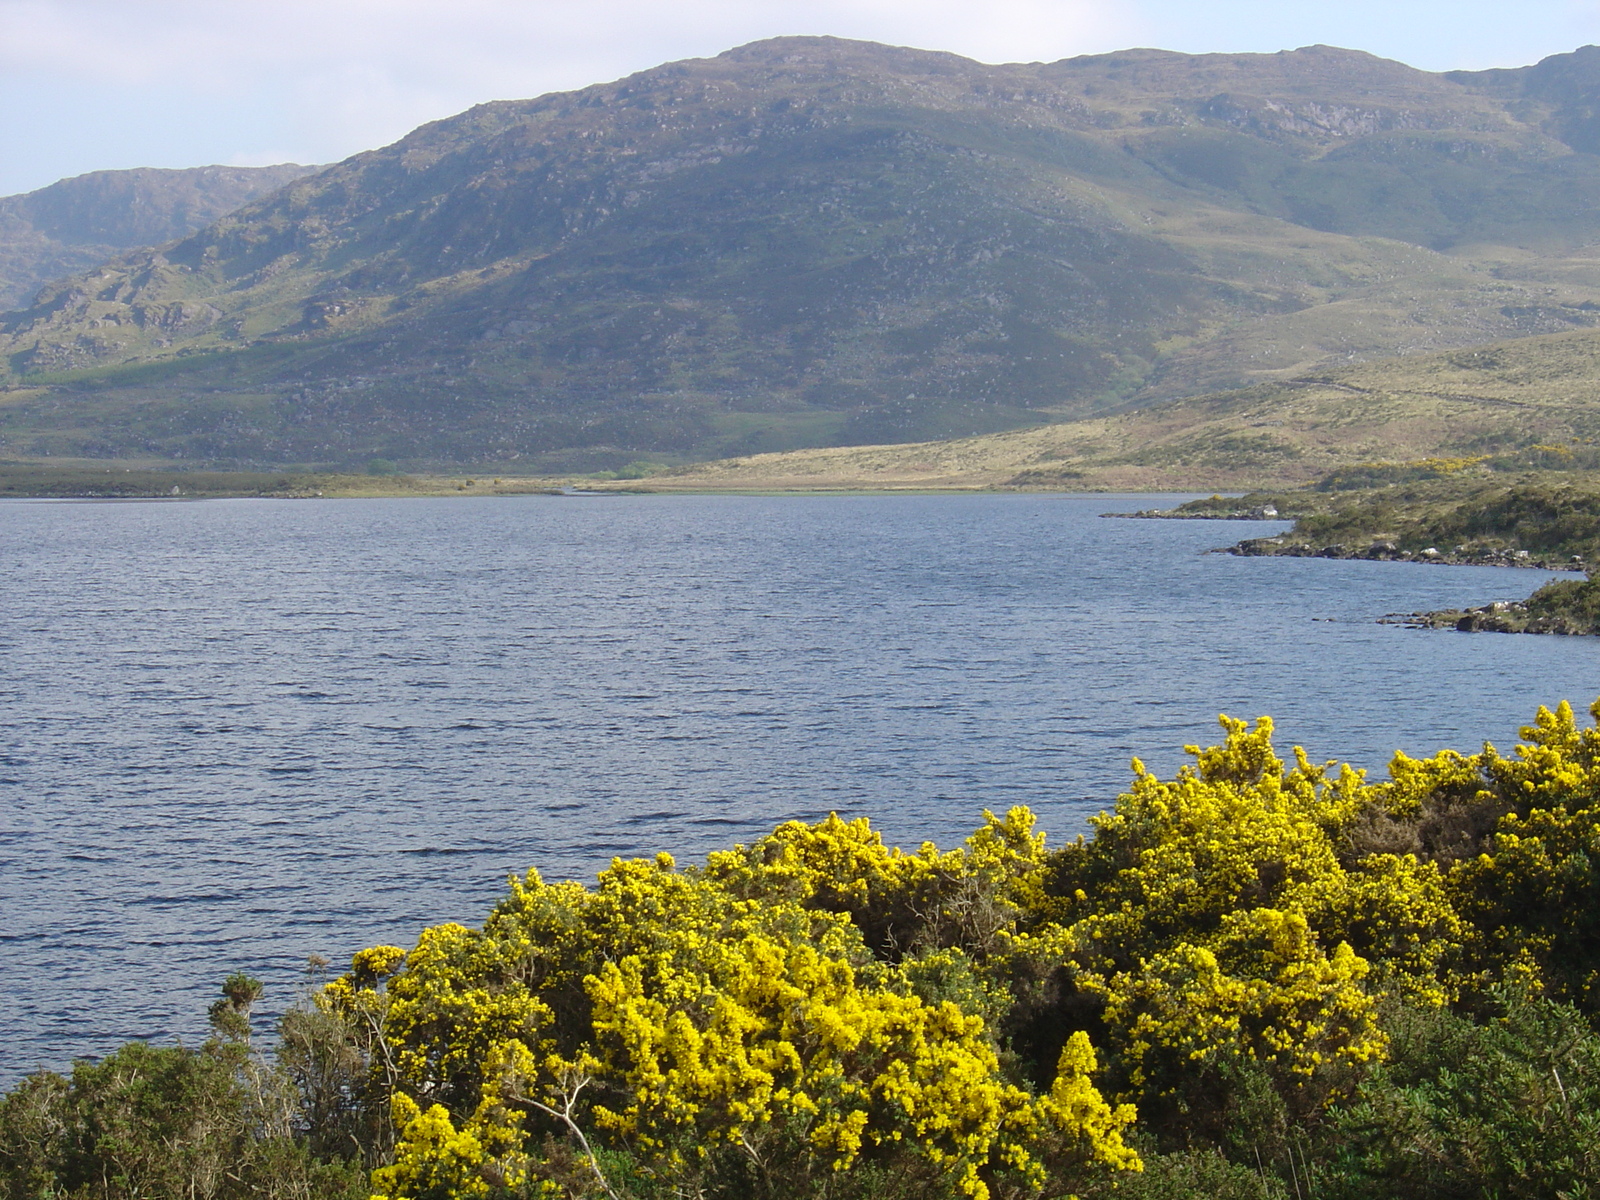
(156, 1122)
(1505, 1109)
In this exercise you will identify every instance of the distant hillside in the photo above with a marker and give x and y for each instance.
(1533, 397)
(808, 241)
(78, 223)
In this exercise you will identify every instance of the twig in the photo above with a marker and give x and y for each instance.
(383, 1044)
(564, 1115)
(1305, 1168)
(1294, 1171)
(751, 1151)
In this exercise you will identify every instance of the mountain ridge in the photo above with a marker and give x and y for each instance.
(805, 241)
(75, 224)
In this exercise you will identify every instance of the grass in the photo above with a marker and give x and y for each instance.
(1514, 400)
(83, 480)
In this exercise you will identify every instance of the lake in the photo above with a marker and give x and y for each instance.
(239, 733)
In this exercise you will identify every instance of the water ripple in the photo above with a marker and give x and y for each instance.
(238, 733)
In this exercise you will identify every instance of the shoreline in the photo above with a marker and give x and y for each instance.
(1568, 607)
(22, 481)
(1501, 616)
(1276, 547)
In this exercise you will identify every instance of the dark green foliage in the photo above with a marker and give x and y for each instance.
(733, 1176)
(1506, 1108)
(1566, 606)
(230, 1016)
(152, 1123)
(1563, 520)
(1192, 1175)
(33, 1126)
(1574, 600)
(159, 1122)
(1251, 506)
(19, 479)
(323, 1063)
(1372, 475)
(1545, 518)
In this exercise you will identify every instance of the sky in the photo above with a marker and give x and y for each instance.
(89, 85)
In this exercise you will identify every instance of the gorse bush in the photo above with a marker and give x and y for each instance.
(727, 1022)
(1262, 978)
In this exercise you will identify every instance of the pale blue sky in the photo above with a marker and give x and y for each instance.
(91, 84)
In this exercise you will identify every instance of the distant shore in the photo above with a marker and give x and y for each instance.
(91, 481)
(1541, 524)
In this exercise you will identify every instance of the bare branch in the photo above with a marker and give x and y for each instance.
(568, 1099)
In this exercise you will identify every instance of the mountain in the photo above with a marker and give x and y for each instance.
(78, 223)
(809, 241)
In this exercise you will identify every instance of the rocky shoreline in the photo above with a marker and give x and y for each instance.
(1536, 524)
(1385, 551)
(1562, 606)
(1503, 616)
(1260, 512)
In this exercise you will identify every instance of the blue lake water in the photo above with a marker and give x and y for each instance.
(237, 733)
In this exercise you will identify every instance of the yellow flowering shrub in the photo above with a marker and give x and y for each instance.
(1557, 767)
(819, 1005)
(1535, 897)
(457, 999)
(1401, 915)
(1520, 837)
(773, 1036)
(686, 1018)
(1075, 1110)
(1533, 891)
(436, 1161)
(1264, 988)
(1220, 914)
(900, 902)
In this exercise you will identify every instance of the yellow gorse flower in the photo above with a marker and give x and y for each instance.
(820, 999)
(738, 1006)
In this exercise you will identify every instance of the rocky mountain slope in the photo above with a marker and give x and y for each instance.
(78, 223)
(809, 242)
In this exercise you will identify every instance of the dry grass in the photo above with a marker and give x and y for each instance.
(1492, 399)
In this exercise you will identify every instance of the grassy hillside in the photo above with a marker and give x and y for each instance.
(1506, 399)
(811, 242)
